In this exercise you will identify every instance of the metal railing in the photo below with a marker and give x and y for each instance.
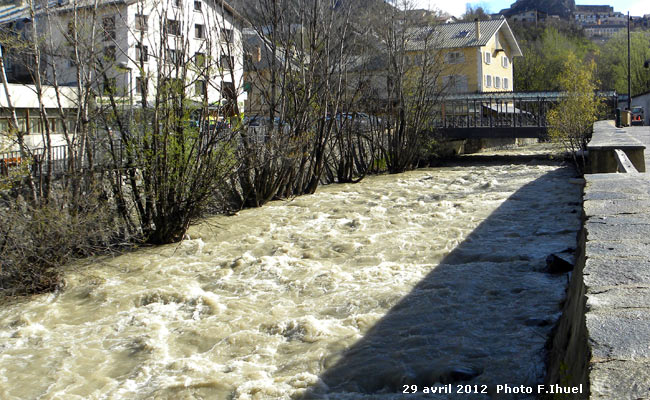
(58, 162)
(493, 113)
(502, 110)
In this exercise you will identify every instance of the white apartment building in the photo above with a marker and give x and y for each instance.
(127, 46)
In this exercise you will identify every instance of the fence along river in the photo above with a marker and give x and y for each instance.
(430, 277)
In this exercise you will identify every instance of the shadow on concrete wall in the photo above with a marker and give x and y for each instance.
(482, 316)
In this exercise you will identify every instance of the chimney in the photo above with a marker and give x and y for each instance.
(478, 29)
(258, 56)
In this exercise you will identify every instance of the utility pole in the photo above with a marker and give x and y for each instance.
(629, 81)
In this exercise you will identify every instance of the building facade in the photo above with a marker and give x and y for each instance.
(128, 47)
(603, 31)
(477, 55)
(528, 16)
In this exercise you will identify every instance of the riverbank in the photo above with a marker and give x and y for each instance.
(602, 339)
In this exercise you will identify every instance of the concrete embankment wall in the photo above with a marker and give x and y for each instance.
(603, 337)
(468, 146)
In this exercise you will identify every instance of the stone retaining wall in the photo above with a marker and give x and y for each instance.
(603, 337)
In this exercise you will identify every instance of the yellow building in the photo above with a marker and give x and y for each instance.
(477, 55)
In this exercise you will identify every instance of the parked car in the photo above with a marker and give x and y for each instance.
(638, 116)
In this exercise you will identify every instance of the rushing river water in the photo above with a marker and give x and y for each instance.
(430, 277)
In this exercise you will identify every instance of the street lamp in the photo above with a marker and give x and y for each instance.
(629, 66)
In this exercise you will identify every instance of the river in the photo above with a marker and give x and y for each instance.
(429, 277)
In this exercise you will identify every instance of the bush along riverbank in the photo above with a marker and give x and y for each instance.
(150, 193)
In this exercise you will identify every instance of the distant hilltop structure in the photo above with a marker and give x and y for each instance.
(562, 8)
(600, 22)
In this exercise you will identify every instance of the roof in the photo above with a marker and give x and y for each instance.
(593, 8)
(252, 40)
(461, 34)
(10, 12)
(24, 96)
(17, 11)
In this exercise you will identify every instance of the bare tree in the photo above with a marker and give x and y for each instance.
(171, 150)
(411, 69)
(300, 46)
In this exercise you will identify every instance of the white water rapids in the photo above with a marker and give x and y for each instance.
(429, 277)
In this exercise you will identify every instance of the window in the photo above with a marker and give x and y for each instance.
(455, 83)
(497, 82)
(173, 27)
(173, 56)
(109, 54)
(56, 124)
(72, 60)
(505, 61)
(200, 60)
(200, 88)
(4, 124)
(227, 62)
(455, 57)
(228, 90)
(198, 31)
(488, 80)
(488, 57)
(197, 6)
(226, 35)
(505, 83)
(141, 22)
(109, 86)
(139, 85)
(141, 53)
(108, 23)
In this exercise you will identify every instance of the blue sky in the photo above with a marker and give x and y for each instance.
(457, 7)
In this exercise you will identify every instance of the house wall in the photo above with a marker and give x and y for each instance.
(495, 68)
(467, 68)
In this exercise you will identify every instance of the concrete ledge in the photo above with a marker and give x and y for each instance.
(616, 278)
(605, 139)
(603, 337)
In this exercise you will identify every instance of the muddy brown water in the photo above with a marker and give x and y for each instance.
(425, 278)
